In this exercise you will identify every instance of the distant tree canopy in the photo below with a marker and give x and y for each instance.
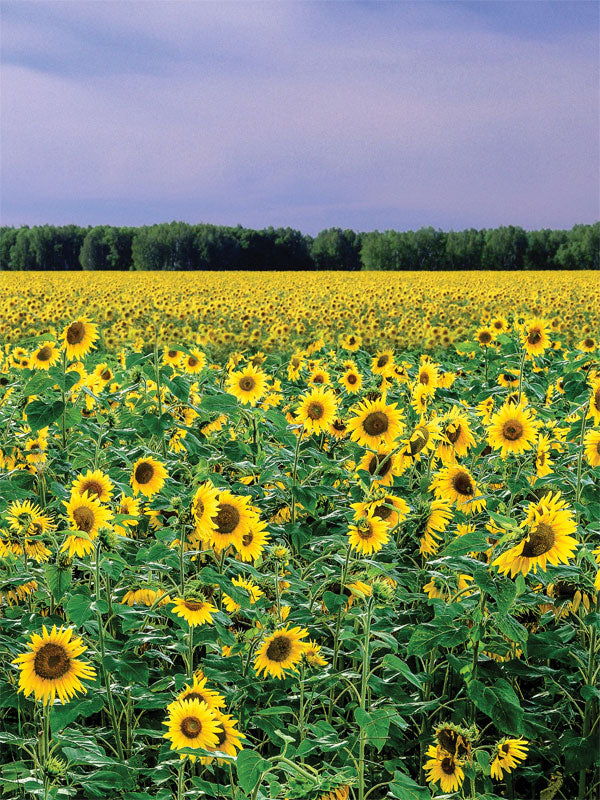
(180, 246)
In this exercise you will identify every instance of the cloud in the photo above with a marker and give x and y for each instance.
(305, 114)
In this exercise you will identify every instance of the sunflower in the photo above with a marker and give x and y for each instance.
(13, 593)
(591, 442)
(96, 484)
(428, 377)
(26, 518)
(351, 342)
(319, 376)
(339, 793)
(383, 466)
(457, 485)
(549, 526)
(508, 379)
(368, 535)
(422, 440)
(130, 507)
(594, 409)
(317, 410)
(295, 366)
(45, 356)
(52, 668)
(205, 507)
(199, 691)
(499, 324)
(392, 510)
(229, 738)
(253, 541)
(534, 336)
(587, 345)
(281, 651)
(191, 723)
(79, 338)
(433, 521)
(253, 590)
(148, 476)
(87, 515)
(194, 610)
(507, 754)
(456, 436)
(248, 385)
(375, 424)
(444, 769)
(172, 357)
(351, 380)
(145, 596)
(543, 462)
(313, 656)
(194, 361)
(383, 363)
(512, 429)
(485, 337)
(233, 520)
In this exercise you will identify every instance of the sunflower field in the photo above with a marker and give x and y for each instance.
(331, 538)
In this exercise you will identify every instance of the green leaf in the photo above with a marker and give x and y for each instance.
(404, 788)
(40, 415)
(376, 724)
(436, 634)
(79, 608)
(250, 766)
(475, 541)
(334, 602)
(220, 403)
(395, 663)
(507, 591)
(58, 580)
(512, 629)
(500, 703)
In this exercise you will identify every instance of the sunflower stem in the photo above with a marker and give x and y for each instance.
(295, 477)
(63, 423)
(191, 653)
(589, 707)
(363, 698)
(181, 781)
(336, 638)
(301, 712)
(158, 392)
(522, 364)
(580, 454)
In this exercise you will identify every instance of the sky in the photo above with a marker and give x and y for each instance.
(364, 115)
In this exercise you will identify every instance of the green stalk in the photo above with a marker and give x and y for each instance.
(580, 453)
(160, 409)
(191, 653)
(294, 477)
(301, 712)
(63, 423)
(336, 637)
(181, 781)
(363, 699)
(522, 364)
(589, 707)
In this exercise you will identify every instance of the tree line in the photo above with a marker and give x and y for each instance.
(181, 246)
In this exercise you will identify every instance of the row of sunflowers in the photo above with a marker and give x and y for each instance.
(328, 573)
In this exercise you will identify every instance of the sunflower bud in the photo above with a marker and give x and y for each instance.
(107, 538)
(383, 590)
(55, 768)
(64, 561)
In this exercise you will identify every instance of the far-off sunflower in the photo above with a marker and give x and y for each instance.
(79, 338)
(512, 429)
(148, 476)
(549, 526)
(45, 356)
(52, 667)
(375, 424)
(281, 651)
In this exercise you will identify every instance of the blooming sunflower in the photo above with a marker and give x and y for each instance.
(428, 377)
(485, 336)
(45, 356)
(25, 517)
(194, 610)
(317, 410)
(456, 437)
(191, 723)
(591, 443)
(433, 521)
(368, 535)
(443, 768)
(507, 754)
(199, 691)
(233, 520)
(383, 466)
(351, 380)
(248, 385)
(512, 429)
(375, 424)
(130, 507)
(338, 428)
(457, 485)
(148, 476)
(421, 441)
(228, 737)
(52, 667)
(281, 651)
(96, 484)
(390, 509)
(534, 337)
(253, 590)
(587, 345)
(253, 541)
(313, 656)
(79, 338)
(194, 362)
(594, 409)
(549, 526)
(205, 506)
(87, 515)
(383, 363)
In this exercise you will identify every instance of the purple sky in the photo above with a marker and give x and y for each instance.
(309, 114)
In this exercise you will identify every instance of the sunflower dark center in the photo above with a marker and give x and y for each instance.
(376, 423)
(540, 541)
(448, 766)
(45, 354)
(193, 605)
(315, 411)
(463, 484)
(453, 432)
(247, 539)
(51, 661)
(366, 531)
(106, 375)
(352, 379)
(92, 487)
(508, 377)
(447, 739)
(75, 333)
(597, 398)
(227, 518)
(221, 735)
(382, 360)
(84, 518)
(424, 378)
(144, 472)
(173, 353)
(512, 430)
(485, 337)
(279, 649)
(247, 383)
(382, 511)
(318, 379)
(339, 425)
(589, 342)
(192, 361)
(191, 727)
(535, 336)
(295, 363)
(418, 441)
(380, 465)
(195, 696)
